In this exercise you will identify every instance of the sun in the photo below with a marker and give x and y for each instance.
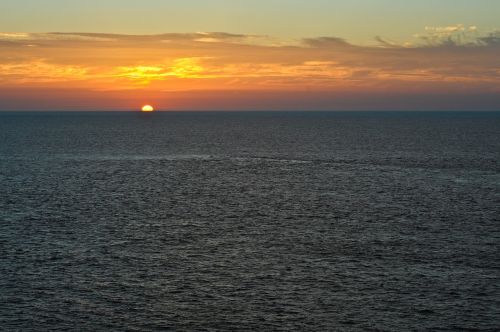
(147, 108)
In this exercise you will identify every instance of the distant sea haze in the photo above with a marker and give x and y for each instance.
(313, 221)
(45, 100)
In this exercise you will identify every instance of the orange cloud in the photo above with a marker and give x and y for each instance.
(40, 71)
(441, 63)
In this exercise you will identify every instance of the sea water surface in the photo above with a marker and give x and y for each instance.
(308, 221)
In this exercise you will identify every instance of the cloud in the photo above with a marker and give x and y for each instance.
(457, 35)
(40, 71)
(452, 58)
(55, 38)
(179, 68)
(326, 42)
(385, 43)
(446, 30)
(491, 40)
(14, 36)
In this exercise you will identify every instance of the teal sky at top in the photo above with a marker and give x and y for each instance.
(355, 20)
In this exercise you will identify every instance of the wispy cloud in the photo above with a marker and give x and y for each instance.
(458, 35)
(40, 71)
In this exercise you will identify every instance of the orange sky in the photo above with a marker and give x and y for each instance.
(447, 68)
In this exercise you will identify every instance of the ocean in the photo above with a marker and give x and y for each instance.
(210, 221)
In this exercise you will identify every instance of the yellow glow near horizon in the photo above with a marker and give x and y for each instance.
(147, 108)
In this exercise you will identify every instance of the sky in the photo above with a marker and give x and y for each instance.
(246, 55)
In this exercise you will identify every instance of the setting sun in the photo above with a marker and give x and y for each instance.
(147, 108)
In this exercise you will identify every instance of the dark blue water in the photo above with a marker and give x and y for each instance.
(249, 221)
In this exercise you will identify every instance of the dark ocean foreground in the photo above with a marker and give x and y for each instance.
(249, 221)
